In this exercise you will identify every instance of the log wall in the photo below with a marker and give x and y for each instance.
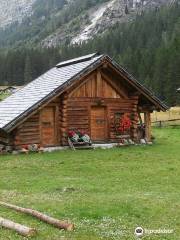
(79, 110)
(28, 132)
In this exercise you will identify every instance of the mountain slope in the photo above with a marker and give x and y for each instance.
(101, 17)
(148, 47)
(54, 22)
(13, 10)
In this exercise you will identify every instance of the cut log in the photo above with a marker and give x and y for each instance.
(43, 217)
(20, 229)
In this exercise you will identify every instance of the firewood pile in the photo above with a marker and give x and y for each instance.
(4, 149)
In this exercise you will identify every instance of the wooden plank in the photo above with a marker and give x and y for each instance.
(82, 100)
(114, 86)
(99, 88)
(78, 121)
(84, 83)
(29, 134)
(98, 124)
(48, 126)
(77, 112)
(96, 86)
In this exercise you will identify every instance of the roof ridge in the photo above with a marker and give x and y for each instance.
(77, 60)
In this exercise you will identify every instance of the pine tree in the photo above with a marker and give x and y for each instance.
(28, 73)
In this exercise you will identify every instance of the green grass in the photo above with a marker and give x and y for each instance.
(3, 96)
(114, 190)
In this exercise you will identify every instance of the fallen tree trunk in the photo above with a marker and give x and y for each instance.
(43, 217)
(21, 229)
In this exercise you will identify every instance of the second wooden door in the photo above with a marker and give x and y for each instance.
(98, 124)
(48, 129)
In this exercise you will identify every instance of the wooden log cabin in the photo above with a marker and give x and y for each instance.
(91, 93)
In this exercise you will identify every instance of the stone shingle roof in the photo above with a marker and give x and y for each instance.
(23, 100)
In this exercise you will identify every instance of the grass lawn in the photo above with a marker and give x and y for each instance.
(110, 191)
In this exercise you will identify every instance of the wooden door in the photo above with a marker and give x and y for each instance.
(48, 129)
(98, 124)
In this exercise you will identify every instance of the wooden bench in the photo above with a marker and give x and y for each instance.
(79, 145)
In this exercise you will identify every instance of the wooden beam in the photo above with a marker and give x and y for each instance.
(99, 85)
(64, 119)
(57, 132)
(147, 121)
(80, 83)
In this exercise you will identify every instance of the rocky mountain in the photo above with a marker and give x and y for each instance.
(99, 18)
(14, 10)
(54, 22)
